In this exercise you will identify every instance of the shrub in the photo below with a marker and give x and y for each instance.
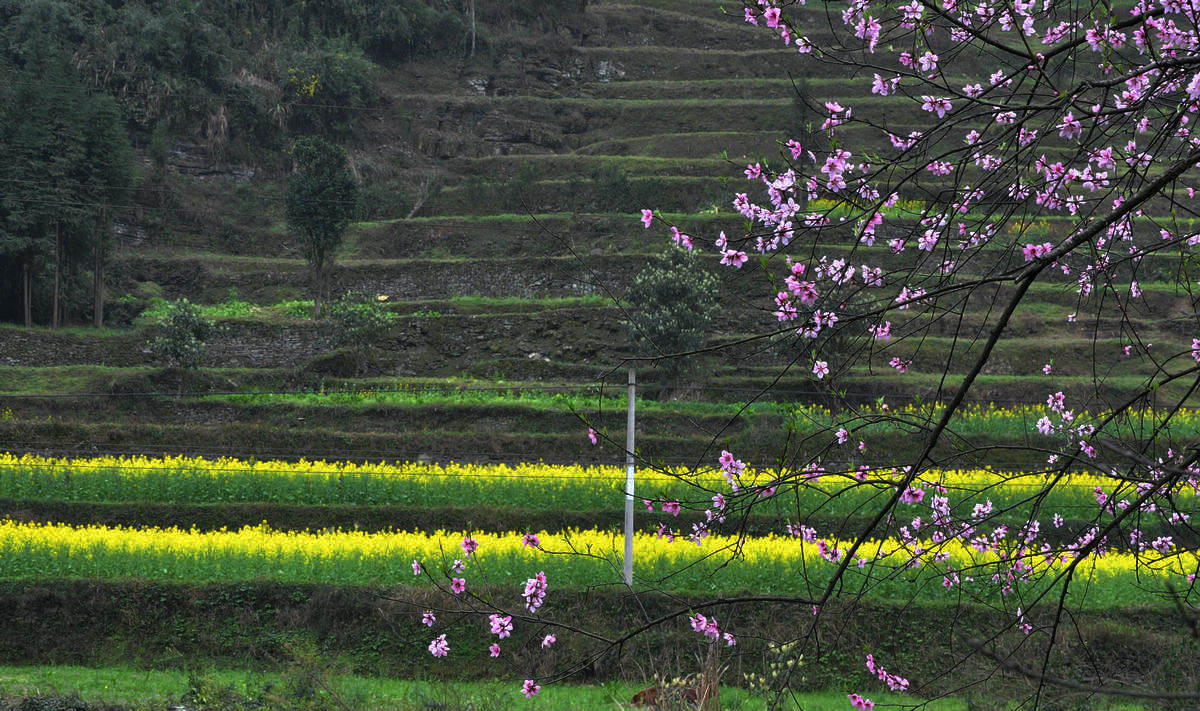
(382, 201)
(672, 303)
(123, 310)
(610, 189)
(357, 321)
(184, 331)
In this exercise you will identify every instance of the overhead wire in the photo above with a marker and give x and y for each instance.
(422, 458)
(366, 392)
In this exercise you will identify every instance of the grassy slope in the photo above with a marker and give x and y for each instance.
(126, 686)
(168, 626)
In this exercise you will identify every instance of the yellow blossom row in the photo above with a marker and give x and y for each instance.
(785, 565)
(180, 479)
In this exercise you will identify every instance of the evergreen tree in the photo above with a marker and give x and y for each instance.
(672, 305)
(322, 196)
(107, 181)
(43, 146)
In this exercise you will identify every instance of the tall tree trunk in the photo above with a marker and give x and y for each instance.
(98, 283)
(28, 289)
(54, 317)
(472, 28)
(318, 292)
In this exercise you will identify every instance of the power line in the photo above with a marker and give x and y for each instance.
(11, 81)
(767, 400)
(97, 449)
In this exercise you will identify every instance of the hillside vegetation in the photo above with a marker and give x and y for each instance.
(497, 216)
(503, 150)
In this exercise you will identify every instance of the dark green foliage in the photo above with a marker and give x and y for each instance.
(184, 331)
(184, 62)
(106, 183)
(357, 322)
(123, 310)
(41, 136)
(383, 201)
(322, 196)
(611, 189)
(673, 302)
(67, 165)
(326, 84)
(528, 12)
(518, 194)
(107, 169)
(158, 151)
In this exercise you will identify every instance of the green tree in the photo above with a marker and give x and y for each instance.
(184, 332)
(107, 180)
(322, 196)
(672, 303)
(358, 321)
(43, 146)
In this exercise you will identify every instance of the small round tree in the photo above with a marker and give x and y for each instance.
(357, 321)
(672, 303)
(184, 331)
(322, 196)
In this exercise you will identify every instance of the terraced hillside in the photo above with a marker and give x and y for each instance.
(502, 229)
(509, 276)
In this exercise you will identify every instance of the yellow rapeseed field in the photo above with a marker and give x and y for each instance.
(572, 558)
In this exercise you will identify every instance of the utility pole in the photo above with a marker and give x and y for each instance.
(629, 428)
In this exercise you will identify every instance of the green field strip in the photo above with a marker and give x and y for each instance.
(537, 414)
(691, 144)
(132, 687)
(594, 105)
(547, 166)
(204, 628)
(724, 386)
(135, 688)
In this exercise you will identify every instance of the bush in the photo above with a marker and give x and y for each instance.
(382, 201)
(124, 310)
(184, 331)
(672, 302)
(357, 322)
(517, 195)
(611, 191)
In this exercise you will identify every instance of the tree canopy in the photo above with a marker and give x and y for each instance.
(322, 196)
(67, 160)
